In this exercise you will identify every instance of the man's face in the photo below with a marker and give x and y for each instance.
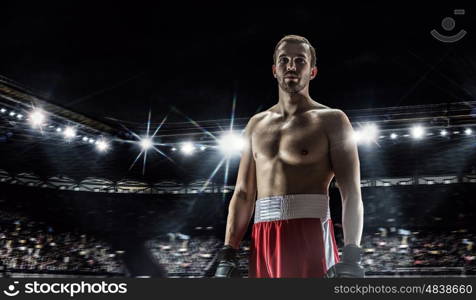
(292, 67)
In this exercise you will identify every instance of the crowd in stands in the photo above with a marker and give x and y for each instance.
(387, 251)
(31, 246)
(402, 251)
(184, 256)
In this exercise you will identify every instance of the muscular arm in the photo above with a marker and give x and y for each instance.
(242, 202)
(346, 167)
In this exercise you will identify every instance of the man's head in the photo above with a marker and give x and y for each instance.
(294, 63)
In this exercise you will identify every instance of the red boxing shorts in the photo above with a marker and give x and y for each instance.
(292, 236)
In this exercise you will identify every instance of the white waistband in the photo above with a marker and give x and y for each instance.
(288, 207)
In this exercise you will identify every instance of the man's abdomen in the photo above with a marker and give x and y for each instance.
(282, 179)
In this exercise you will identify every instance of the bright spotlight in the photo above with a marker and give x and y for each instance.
(12, 114)
(366, 134)
(3, 110)
(443, 132)
(91, 141)
(174, 149)
(231, 143)
(85, 138)
(202, 148)
(357, 136)
(69, 132)
(19, 116)
(146, 143)
(417, 132)
(468, 131)
(102, 145)
(37, 118)
(370, 133)
(393, 136)
(187, 148)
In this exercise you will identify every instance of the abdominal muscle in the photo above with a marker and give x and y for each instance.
(275, 178)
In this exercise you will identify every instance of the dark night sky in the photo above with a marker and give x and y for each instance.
(118, 61)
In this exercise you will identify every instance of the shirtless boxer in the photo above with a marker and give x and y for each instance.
(294, 150)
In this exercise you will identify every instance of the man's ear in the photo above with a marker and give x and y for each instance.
(273, 68)
(313, 72)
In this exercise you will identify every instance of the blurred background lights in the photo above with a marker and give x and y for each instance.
(417, 132)
(37, 118)
(146, 143)
(187, 148)
(231, 143)
(366, 134)
(102, 145)
(69, 132)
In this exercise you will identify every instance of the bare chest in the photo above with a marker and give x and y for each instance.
(300, 141)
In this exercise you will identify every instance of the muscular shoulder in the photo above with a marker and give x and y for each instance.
(333, 116)
(328, 115)
(260, 116)
(255, 119)
(336, 123)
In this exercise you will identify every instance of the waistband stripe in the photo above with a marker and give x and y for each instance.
(288, 207)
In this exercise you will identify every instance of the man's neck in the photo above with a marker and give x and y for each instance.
(291, 104)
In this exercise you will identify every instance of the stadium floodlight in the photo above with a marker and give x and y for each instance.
(231, 143)
(417, 132)
(443, 132)
(102, 145)
(357, 136)
(85, 138)
(393, 136)
(3, 110)
(146, 143)
(370, 133)
(12, 114)
(69, 132)
(174, 149)
(366, 134)
(91, 141)
(187, 148)
(19, 116)
(37, 118)
(468, 131)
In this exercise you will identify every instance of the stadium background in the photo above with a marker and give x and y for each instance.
(111, 72)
